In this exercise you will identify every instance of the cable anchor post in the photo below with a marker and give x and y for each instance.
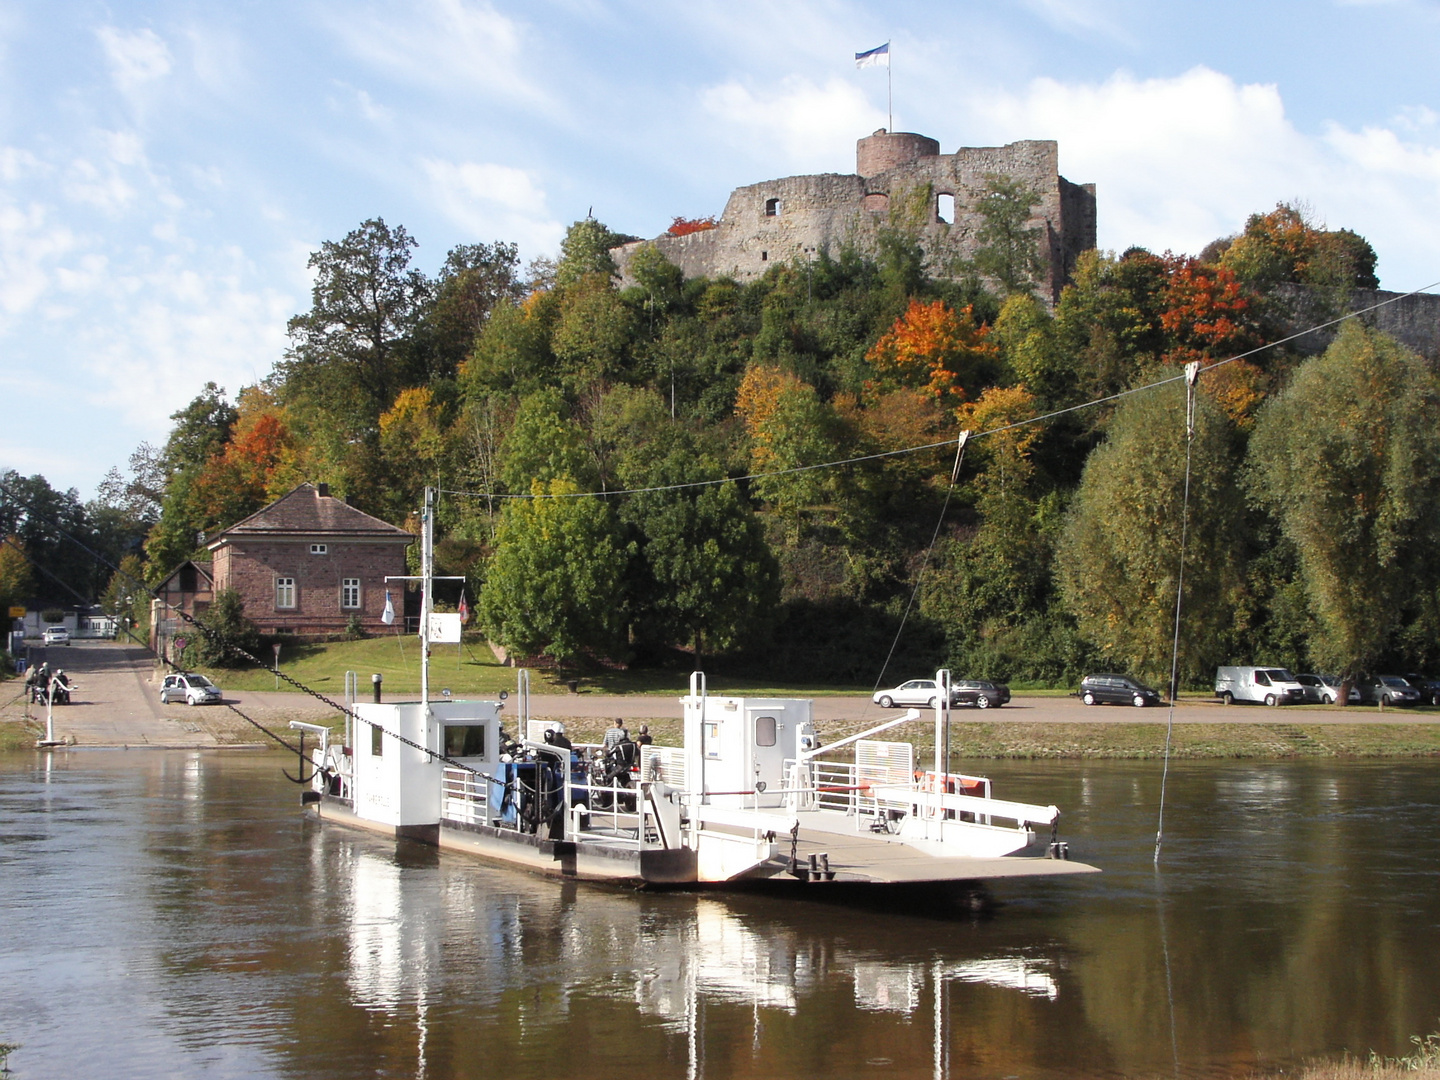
(959, 457)
(1192, 378)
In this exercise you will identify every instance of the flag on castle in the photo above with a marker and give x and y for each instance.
(877, 57)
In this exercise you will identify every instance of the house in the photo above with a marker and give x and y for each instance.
(309, 563)
(189, 589)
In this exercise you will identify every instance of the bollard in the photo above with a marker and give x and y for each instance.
(375, 681)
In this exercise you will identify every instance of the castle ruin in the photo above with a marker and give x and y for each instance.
(900, 179)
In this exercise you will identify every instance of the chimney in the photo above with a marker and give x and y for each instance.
(323, 490)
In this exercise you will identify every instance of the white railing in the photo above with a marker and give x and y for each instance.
(465, 797)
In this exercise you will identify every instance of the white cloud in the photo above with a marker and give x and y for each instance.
(445, 44)
(494, 201)
(135, 57)
(1180, 161)
(1087, 17)
(30, 247)
(799, 124)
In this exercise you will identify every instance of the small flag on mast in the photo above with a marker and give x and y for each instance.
(464, 609)
(877, 57)
(388, 615)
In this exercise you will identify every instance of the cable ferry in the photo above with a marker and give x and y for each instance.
(750, 797)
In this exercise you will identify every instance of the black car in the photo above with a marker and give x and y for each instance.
(1429, 688)
(979, 692)
(1117, 690)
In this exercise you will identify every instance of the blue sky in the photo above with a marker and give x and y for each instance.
(167, 167)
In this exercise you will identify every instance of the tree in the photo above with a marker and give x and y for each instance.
(554, 582)
(543, 445)
(789, 428)
(1286, 246)
(475, 280)
(585, 251)
(350, 354)
(934, 348)
(1347, 459)
(55, 530)
(1009, 250)
(1119, 557)
(226, 635)
(17, 583)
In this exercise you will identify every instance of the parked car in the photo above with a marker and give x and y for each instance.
(1387, 690)
(190, 688)
(1117, 690)
(979, 692)
(57, 635)
(1429, 688)
(1271, 685)
(1323, 689)
(917, 692)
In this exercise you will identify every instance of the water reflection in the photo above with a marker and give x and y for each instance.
(202, 927)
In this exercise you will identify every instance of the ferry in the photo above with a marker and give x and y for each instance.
(750, 797)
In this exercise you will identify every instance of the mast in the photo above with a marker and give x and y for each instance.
(427, 586)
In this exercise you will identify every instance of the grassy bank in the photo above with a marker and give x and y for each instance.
(471, 670)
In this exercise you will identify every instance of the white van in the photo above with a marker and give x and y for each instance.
(1271, 685)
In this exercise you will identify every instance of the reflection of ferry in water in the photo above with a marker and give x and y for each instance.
(749, 797)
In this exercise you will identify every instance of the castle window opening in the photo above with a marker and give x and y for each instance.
(945, 208)
(877, 202)
(764, 256)
(772, 207)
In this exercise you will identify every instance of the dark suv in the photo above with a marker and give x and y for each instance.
(1117, 690)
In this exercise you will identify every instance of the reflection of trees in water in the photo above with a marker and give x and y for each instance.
(1300, 917)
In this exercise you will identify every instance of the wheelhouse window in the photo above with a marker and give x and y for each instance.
(350, 592)
(284, 592)
(464, 740)
(377, 741)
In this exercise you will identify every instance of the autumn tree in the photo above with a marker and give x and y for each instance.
(790, 428)
(1286, 246)
(17, 582)
(1347, 459)
(934, 348)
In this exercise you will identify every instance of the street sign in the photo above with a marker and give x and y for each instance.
(17, 612)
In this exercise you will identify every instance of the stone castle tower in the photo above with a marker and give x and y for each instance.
(799, 216)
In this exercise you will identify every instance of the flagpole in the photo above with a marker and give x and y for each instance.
(889, 92)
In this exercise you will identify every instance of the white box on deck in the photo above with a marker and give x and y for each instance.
(735, 745)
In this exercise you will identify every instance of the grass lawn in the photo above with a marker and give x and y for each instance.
(471, 670)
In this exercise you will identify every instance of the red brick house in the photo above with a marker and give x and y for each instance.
(309, 562)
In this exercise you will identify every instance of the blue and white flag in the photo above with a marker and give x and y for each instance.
(879, 57)
(388, 615)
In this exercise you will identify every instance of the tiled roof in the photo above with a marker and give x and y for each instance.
(305, 511)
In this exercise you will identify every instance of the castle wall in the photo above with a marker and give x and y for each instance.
(799, 216)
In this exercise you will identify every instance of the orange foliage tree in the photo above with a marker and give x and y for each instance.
(683, 226)
(1204, 313)
(255, 466)
(932, 348)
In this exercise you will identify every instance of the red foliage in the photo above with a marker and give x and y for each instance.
(1204, 310)
(683, 226)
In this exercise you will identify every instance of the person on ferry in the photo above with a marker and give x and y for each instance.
(557, 737)
(616, 734)
(644, 739)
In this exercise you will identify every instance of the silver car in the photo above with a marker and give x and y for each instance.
(190, 688)
(1323, 689)
(921, 693)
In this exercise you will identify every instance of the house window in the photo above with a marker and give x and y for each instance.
(772, 207)
(350, 592)
(284, 592)
(318, 549)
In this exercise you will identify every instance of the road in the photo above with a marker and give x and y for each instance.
(118, 705)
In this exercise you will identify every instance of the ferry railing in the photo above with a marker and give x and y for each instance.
(465, 796)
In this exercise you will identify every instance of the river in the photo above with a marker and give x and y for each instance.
(174, 915)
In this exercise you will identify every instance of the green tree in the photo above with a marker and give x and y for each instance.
(1347, 459)
(475, 280)
(585, 251)
(543, 445)
(1009, 250)
(1118, 560)
(554, 582)
(225, 631)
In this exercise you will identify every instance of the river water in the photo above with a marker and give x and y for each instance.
(174, 915)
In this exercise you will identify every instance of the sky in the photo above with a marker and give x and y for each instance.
(167, 167)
